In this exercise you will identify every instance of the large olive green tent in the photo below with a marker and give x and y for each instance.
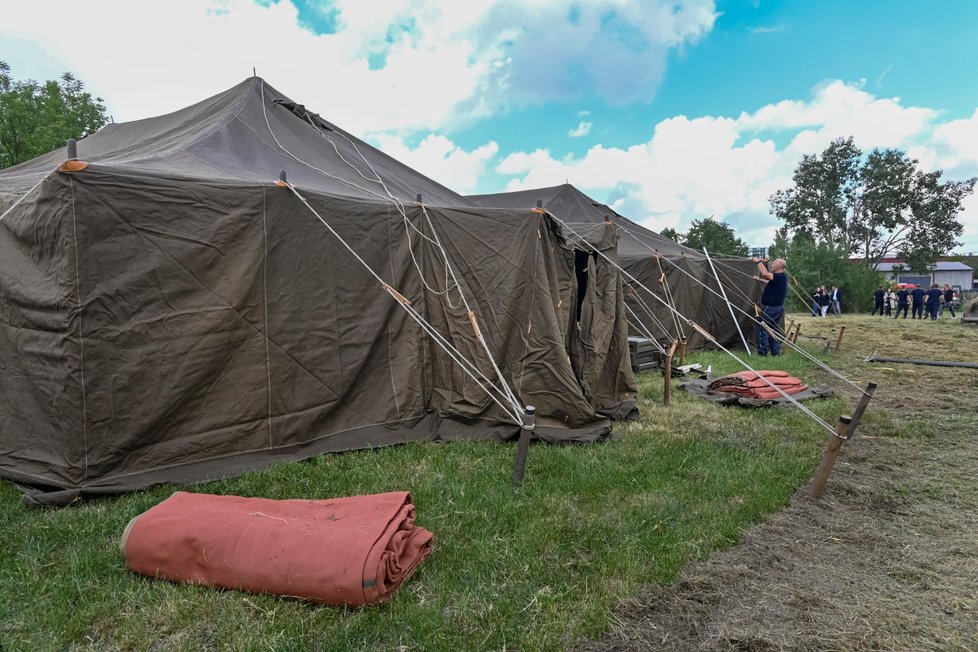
(172, 312)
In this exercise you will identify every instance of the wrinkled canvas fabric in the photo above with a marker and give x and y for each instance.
(349, 551)
(170, 314)
(686, 270)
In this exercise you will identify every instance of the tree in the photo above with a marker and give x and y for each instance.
(670, 233)
(717, 237)
(812, 263)
(873, 206)
(36, 118)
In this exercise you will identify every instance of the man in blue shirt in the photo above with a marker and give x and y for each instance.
(934, 296)
(903, 302)
(772, 306)
(917, 310)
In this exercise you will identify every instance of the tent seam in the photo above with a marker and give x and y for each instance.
(81, 339)
(264, 279)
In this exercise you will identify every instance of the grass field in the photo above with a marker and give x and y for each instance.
(541, 568)
(886, 560)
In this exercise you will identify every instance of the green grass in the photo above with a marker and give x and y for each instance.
(536, 569)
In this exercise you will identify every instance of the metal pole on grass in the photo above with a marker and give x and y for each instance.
(729, 307)
(529, 423)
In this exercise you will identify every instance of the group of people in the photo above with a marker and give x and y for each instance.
(920, 302)
(823, 299)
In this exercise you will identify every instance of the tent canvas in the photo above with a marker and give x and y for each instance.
(687, 271)
(169, 314)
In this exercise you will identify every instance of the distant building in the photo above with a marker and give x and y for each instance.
(956, 274)
(760, 252)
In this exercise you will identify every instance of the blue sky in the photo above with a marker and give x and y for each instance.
(670, 110)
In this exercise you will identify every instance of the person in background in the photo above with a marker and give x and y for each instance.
(903, 302)
(889, 301)
(824, 301)
(917, 310)
(879, 296)
(934, 296)
(948, 300)
(835, 297)
(772, 306)
(816, 295)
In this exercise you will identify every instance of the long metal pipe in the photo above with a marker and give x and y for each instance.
(729, 307)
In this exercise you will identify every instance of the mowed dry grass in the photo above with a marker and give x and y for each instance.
(887, 559)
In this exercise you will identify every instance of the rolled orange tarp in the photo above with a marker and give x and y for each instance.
(341, 551)
(780, 381)
(773, 394)
(767, 373)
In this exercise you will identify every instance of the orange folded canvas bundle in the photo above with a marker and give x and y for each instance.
(773, 394)
(341, 551)
(749, 384)
(767, 373)
(779, 381)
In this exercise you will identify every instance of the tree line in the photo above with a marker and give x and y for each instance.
(36, 117)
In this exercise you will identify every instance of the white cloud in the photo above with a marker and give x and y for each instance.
(581, 129)
(728, 167)
(442, 160)
(392, 65)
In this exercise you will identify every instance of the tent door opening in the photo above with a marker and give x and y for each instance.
(580, 271)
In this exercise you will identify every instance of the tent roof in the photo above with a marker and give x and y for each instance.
(571, 205)
(245, 135)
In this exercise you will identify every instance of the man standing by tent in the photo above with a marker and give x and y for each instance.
(772, 306)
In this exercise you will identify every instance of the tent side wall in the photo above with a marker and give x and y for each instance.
(41, 420)
(225, 328)
(519, 281)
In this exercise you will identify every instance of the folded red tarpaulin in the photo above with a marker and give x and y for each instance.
(780, 382)
(773, 394)
(341, 551)
(749, 384)
(767, 373)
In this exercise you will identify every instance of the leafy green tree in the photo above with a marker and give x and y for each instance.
(670, 233)
(717, 237)
(36, 118)
(812, 263)
(872, 206)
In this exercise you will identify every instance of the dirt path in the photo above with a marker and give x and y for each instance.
(886, 560)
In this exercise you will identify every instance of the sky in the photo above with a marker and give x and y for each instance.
(668, 110)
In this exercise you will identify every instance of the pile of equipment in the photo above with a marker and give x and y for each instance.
(749, 384)
(643, 353)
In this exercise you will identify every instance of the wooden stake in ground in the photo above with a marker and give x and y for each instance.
(838, 342)
(682, 351)
(529, 422)
(858, 414)
(832, 448)
(667, 374)
(794, 340)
